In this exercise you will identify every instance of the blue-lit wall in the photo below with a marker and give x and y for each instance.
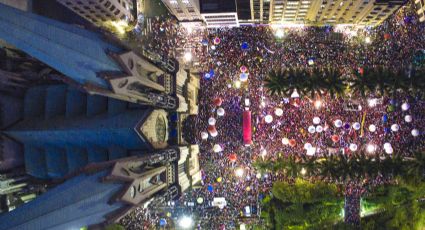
(80, 201)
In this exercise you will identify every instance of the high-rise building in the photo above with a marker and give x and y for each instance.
(98, 11)
(420, 9)
(184, 10)
(219, 13)
(320, 12)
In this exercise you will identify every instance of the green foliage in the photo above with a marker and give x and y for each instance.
(315, 82)
(303, 191)
(302, 205)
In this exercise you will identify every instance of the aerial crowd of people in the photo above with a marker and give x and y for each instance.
(221, 54)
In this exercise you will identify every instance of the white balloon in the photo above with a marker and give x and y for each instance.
(269, 119)
(217, 148)
(213, 47)
(415, 132)
(338, 123)
(372, 128)
(220, 112)
(395, 127)
(204, 135)
(356, 125)
(408, 118)
(319, 128)
(405, 106)
(243, 77)
(311, 151)
(311, 129)
(353, 147)
(285, 141)
(278, 112)
(214, 134)
(387, 145)
(307, 146)
(211, 121)
(389, 150)
(316, 120)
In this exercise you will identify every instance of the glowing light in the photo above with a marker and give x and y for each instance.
(239, 172)
(285, 141)
(367, 40)
(408, 118)
(120, 26)
(415, 132)
(303, 171)
(405, 106)
(372, 102)
(353, 147)
(316, 120)
(237, 84)
(280, 33)
(295, 94)
(372, 128)
(188, 56)
(370, 148)
(185, 222)
(268, 119)
(318, 104)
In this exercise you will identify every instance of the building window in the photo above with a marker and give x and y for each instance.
(117, 12)
(112, 8)
(107, 4)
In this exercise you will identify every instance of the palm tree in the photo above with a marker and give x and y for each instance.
(335, 84)
(381, 78)
(416, 82)
(416, 167)
(314, 83)
(275, 82)
(397, 81)
(361, 83)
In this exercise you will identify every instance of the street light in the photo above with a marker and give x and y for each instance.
(185, 222)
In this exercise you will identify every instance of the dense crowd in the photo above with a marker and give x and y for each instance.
(393, 45)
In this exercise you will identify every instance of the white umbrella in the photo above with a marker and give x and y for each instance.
(353, 147)
(338, 123)
(316, 120)
(268, 119)
(408, 118)
(395, 127)
(311, 129)
(356, 126)
(285, 141)
(372, 128)
(200, 200)
(220, 112)
(387, 145)
(307, 146)
(204, 135)
(278, 112)
(211, 121)
(319, 128)
(217, 148)
(389, 150)
(311, 151)
(415, 132)
(405, 106)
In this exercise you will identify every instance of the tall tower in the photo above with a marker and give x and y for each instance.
(88, 60)
(107, 122)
